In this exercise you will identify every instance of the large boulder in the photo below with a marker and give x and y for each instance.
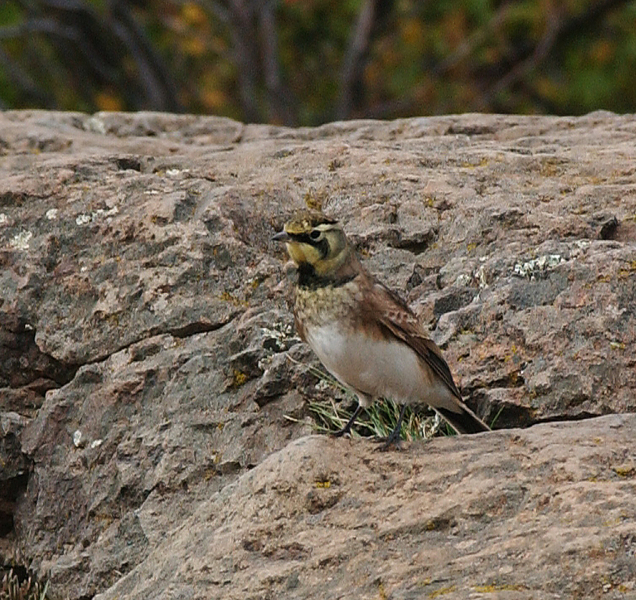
(545, 512)
(150, 374)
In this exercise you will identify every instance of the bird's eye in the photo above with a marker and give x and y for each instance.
(315, 234)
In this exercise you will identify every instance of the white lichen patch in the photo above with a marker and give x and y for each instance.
(264, 363)
(51, 214)
(20, 241)
(463, 280)
(537, 266)
(279, 336)
(275, 340)
(323, 385)
(83, 219)
(96, 125)
(175, 172)
(77, 438)
(3, 219)
(481, 278)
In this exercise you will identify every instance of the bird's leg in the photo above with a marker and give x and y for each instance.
(347, 427)
(394, 436)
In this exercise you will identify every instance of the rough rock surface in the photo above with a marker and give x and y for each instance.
(540, 513)
(148, 361)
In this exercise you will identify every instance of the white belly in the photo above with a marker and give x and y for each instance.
(378, 368)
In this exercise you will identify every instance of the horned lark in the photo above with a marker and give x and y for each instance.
(362, 332)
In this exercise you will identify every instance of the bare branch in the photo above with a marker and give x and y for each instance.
(245, 50)
(24, 82)
(522, 69)
(158, 84)
(472, 42)
(278, 95)
(557, 30)
(353, 63)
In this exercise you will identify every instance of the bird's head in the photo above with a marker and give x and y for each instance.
(315, 242)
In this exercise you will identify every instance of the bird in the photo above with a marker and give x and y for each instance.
(364, 334)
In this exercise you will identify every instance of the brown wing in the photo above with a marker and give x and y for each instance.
(397, 318)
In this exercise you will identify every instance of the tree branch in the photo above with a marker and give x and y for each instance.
(557, 31)
(24, 82)
(278, 95)
(243, 34)
(353, 63)
(524, 68)
(158, 84)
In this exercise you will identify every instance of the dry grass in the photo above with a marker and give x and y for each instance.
(28, 588)
(378, 421)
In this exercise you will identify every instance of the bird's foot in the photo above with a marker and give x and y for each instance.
(346, 430)
(392, 441)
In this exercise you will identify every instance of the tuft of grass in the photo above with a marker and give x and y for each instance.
(378, 420)
(495, 418)
(13, 587)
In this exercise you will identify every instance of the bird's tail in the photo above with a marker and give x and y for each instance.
(463, 421)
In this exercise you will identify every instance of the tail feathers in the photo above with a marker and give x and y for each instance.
(465, 421)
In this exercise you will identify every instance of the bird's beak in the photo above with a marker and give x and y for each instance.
(283, 236)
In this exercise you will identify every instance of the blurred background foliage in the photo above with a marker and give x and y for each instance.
(306, 62)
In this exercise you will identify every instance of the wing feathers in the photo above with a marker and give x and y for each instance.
(396, 317)
(394, 314)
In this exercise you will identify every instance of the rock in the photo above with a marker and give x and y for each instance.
(14, 474)
(537, 513)
(163, 423)
(148, 361)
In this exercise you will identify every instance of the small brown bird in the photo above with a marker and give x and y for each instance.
(363, 333)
